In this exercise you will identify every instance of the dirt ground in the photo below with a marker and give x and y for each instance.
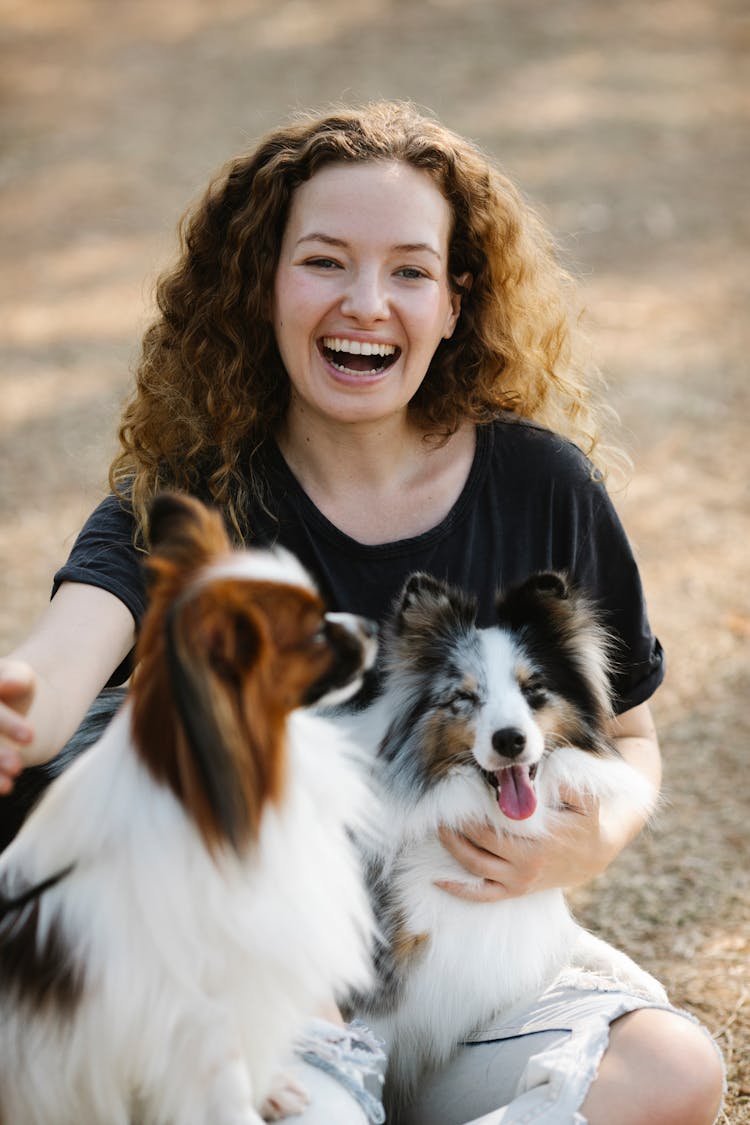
(628, 125)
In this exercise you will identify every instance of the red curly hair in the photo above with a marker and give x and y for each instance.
(210, 386)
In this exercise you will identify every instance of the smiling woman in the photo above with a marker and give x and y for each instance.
(363, 276)
(212, 385)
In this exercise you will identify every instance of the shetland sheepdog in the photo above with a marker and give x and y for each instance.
(482, 724)
(187, 891)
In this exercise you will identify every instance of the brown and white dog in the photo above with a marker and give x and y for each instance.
(188, 891)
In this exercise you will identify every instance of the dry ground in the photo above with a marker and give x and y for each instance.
(628, 124)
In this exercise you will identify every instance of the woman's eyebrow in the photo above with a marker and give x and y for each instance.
(401, 247)
(415, 247)
(318, 236)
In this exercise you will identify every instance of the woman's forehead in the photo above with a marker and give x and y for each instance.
(390, 198)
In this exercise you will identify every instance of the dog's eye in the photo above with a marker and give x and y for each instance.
(461, 701)
(535, 693)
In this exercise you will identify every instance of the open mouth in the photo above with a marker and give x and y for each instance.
(355, 357)
(514, 787)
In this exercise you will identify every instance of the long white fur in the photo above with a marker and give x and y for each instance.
(276, 565)
(482, 958)
(199, 970)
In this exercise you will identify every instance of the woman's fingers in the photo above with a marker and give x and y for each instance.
(17, 686)
(507, 866)
(484, 891)
(11, 764)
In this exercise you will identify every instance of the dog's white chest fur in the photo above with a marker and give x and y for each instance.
(475, 958)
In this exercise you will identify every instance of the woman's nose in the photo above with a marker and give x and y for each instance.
(365, 298)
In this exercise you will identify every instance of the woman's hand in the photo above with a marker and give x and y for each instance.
(49, 681)
(582, 847)
(510, 866)
(17, 688)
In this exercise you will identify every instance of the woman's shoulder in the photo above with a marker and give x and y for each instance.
(113, 513)
(104, 554)
(527, 449)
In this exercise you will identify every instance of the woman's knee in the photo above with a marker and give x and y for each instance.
(659, 1069)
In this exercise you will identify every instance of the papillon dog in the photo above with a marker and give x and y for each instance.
(483, 725)
(188, 890)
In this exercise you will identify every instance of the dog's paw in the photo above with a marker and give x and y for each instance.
(285, 1098)
(598, 956)
(643, 984)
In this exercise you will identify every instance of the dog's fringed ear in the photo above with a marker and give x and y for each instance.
(184, 531)
(428, 605)
(550, 582)
(421, 594)
(537, 597)
(560, 626)
(198, 715)
(199, 654)
(202, 657)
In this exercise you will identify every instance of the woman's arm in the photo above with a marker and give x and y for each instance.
(48, 683)
(582, 848)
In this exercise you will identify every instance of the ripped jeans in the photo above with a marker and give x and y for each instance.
(534, 1064)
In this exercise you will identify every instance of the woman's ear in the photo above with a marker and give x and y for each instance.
(459, 286)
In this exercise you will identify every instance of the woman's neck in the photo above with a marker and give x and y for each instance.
(327, 456)
(377, 482)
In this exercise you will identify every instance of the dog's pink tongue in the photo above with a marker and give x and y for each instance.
(516, 794)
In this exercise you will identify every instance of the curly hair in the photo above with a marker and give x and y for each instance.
(210, 385)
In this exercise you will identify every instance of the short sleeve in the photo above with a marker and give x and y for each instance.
(604, 564)
(104, 555)
(549, 509)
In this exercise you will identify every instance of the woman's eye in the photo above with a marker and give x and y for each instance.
(322, 263)
(411, 273)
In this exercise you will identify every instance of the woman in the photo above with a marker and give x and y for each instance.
(366, 352)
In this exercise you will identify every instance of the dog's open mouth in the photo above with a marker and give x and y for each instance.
(514, 786)
(354, 358)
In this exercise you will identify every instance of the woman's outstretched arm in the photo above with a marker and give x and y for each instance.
(48, 683)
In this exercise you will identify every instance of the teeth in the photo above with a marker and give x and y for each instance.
(357, 347)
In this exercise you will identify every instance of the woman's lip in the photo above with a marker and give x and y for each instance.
(351, 377)
(355, 378)
(354, 346)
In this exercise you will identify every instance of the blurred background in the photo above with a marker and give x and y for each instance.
(627, 125)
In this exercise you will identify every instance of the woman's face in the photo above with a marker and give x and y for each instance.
(361, 295)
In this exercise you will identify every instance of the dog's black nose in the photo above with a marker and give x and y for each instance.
(510, 742)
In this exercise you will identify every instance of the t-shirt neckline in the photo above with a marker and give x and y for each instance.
(312, 515)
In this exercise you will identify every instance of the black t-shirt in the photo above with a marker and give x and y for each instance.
(531, 502)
